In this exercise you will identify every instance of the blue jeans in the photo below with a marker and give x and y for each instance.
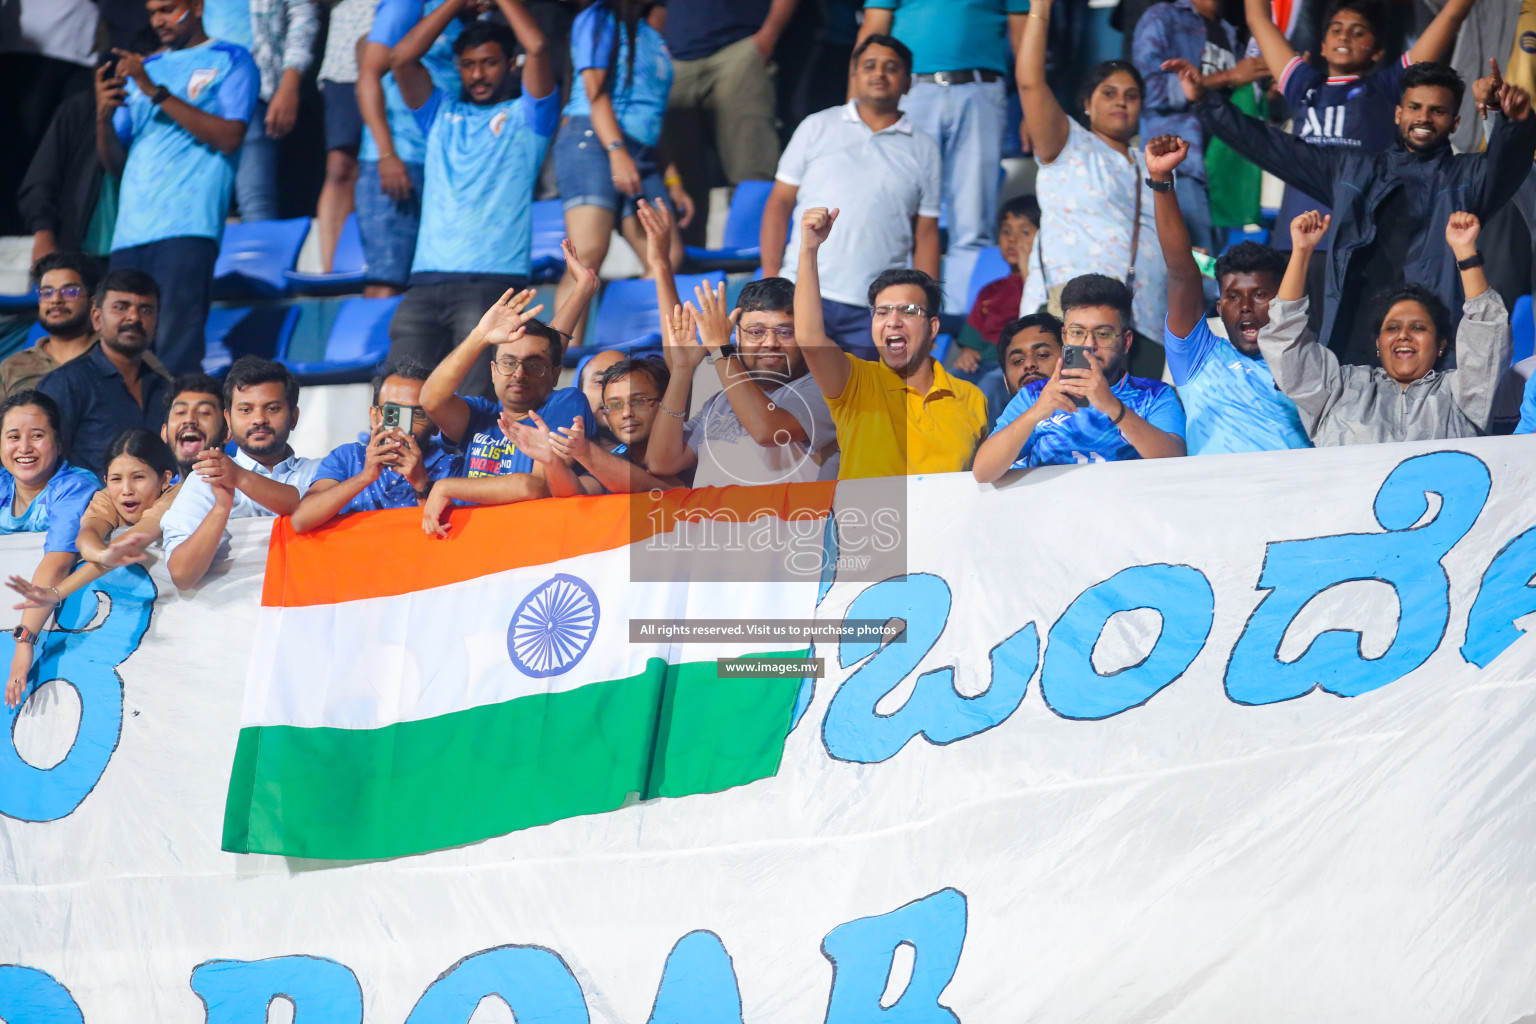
(256, 180)
(967, 122)
(387, 227)
(183, 267)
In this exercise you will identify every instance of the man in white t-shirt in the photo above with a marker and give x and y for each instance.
(867, 160)
(768, 423)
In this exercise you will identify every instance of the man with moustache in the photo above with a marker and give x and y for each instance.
(112, 387)
(195, 420)
(1028, 349)
(265, 477)
(65, 282)
(768, 423)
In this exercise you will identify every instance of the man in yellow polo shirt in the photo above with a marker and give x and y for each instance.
(904, 414)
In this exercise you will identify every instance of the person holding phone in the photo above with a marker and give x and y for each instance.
(1090, 409)
(394, 468)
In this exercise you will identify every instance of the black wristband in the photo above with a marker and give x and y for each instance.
(1475, 260)
(1123, 410)
(160, 95)
(1160, 186)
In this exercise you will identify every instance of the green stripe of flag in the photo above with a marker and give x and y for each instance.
(356, 794)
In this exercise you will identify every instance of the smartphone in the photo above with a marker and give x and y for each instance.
(111, 66)
(1075, 357)
(398, 417)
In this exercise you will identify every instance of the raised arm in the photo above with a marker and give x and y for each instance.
(439, 394)
(1511, 145)
(1484, 341)
(1307, 372)
(538, 76)
(825, 360)
(1439, 35)
(580, 297)
(1048, 124)
(769, 424)
(1186, 289)
(1273, 45)
(413, 79)
(656, 219)
(667, 452)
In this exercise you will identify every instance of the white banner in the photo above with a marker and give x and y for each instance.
(1235, 738)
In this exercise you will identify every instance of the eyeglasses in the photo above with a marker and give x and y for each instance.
(759, 333)
(533, 369)
(910, 310)
(1078, 335)
(69, 291)
(618, 405)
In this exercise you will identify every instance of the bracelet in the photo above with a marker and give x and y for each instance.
(59, 598)
(1123, 410)
(1475, 260)
(669, 412)
(672, 181)
(1037, 17)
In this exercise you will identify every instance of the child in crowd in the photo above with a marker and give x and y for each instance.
(974, 355)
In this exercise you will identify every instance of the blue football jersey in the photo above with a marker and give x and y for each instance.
(1087, 435)
(173, 185)
(392, 19)
(1230, 399)
(482, 165)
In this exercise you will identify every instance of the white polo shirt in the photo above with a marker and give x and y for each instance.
(878, 180)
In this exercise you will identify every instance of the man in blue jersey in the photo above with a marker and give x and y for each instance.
(172, 124)
(1095, 414)
(393, 150)
(483, 157)
(525, 366)
(1229, 395)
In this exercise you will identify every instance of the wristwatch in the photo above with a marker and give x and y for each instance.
(724, 352)
(160, 95)
(23, 635)
(614, 146)
(1160, 186)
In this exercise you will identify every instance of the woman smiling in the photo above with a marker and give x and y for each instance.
(1404, 398)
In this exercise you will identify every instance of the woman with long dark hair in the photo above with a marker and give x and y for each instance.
(607, 154)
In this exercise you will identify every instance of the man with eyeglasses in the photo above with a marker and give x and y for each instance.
(394, 468)
(1094, 413)
(768, 423)
(65, 282)
(903, 413)
(525, 366)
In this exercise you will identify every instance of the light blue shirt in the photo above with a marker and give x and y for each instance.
(55, 512)
(392, 19)
(1231, 399)
(639, 99)
(1087, 435)
(195, 499)
(482, 165)
(1528, 409)
(173, 185)
(229, 20)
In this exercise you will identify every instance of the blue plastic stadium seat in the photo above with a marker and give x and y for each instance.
(1523, 325)
(254, 258)
(1254, 234)
(743, 227)
(35, 335)
(357, 344)
(548, 220)
(348, 268)
(990, 266)
(941, 347)
(247, 331)
(19, 303)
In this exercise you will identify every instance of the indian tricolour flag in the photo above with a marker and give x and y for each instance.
(407, 693)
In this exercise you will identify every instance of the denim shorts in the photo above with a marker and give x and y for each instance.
(387, 228)
(585, 177)
(343, 121)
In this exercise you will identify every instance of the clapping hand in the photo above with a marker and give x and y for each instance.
(715, 325)
(584, 276)
(656, 219)
(533, 441)
(680, 348)
(571, 442)
(506, 317)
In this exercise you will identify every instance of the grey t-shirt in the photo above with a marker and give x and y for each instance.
(728, 454)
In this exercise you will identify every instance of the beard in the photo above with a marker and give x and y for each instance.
(130, 342)
(73, 327)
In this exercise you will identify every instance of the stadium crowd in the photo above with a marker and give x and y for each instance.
(1125, 326)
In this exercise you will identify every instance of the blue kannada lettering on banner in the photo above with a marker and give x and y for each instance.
(1407, 556)
(863, 952)
(698, 984)
(86, 659)
(854, 731)
(533, 981)
(322, 991)
(1506, 594)
(29, 996)
(1073, 688)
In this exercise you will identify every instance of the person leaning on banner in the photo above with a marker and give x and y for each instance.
(902, 413)
(1096, 412)
(768, 423)
(140, 487)
(525, 365)
(1229, 395)
(265, 477)
(1404, 398)
(395, 468)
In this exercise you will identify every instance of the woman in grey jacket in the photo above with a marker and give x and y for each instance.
(1405, 398)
